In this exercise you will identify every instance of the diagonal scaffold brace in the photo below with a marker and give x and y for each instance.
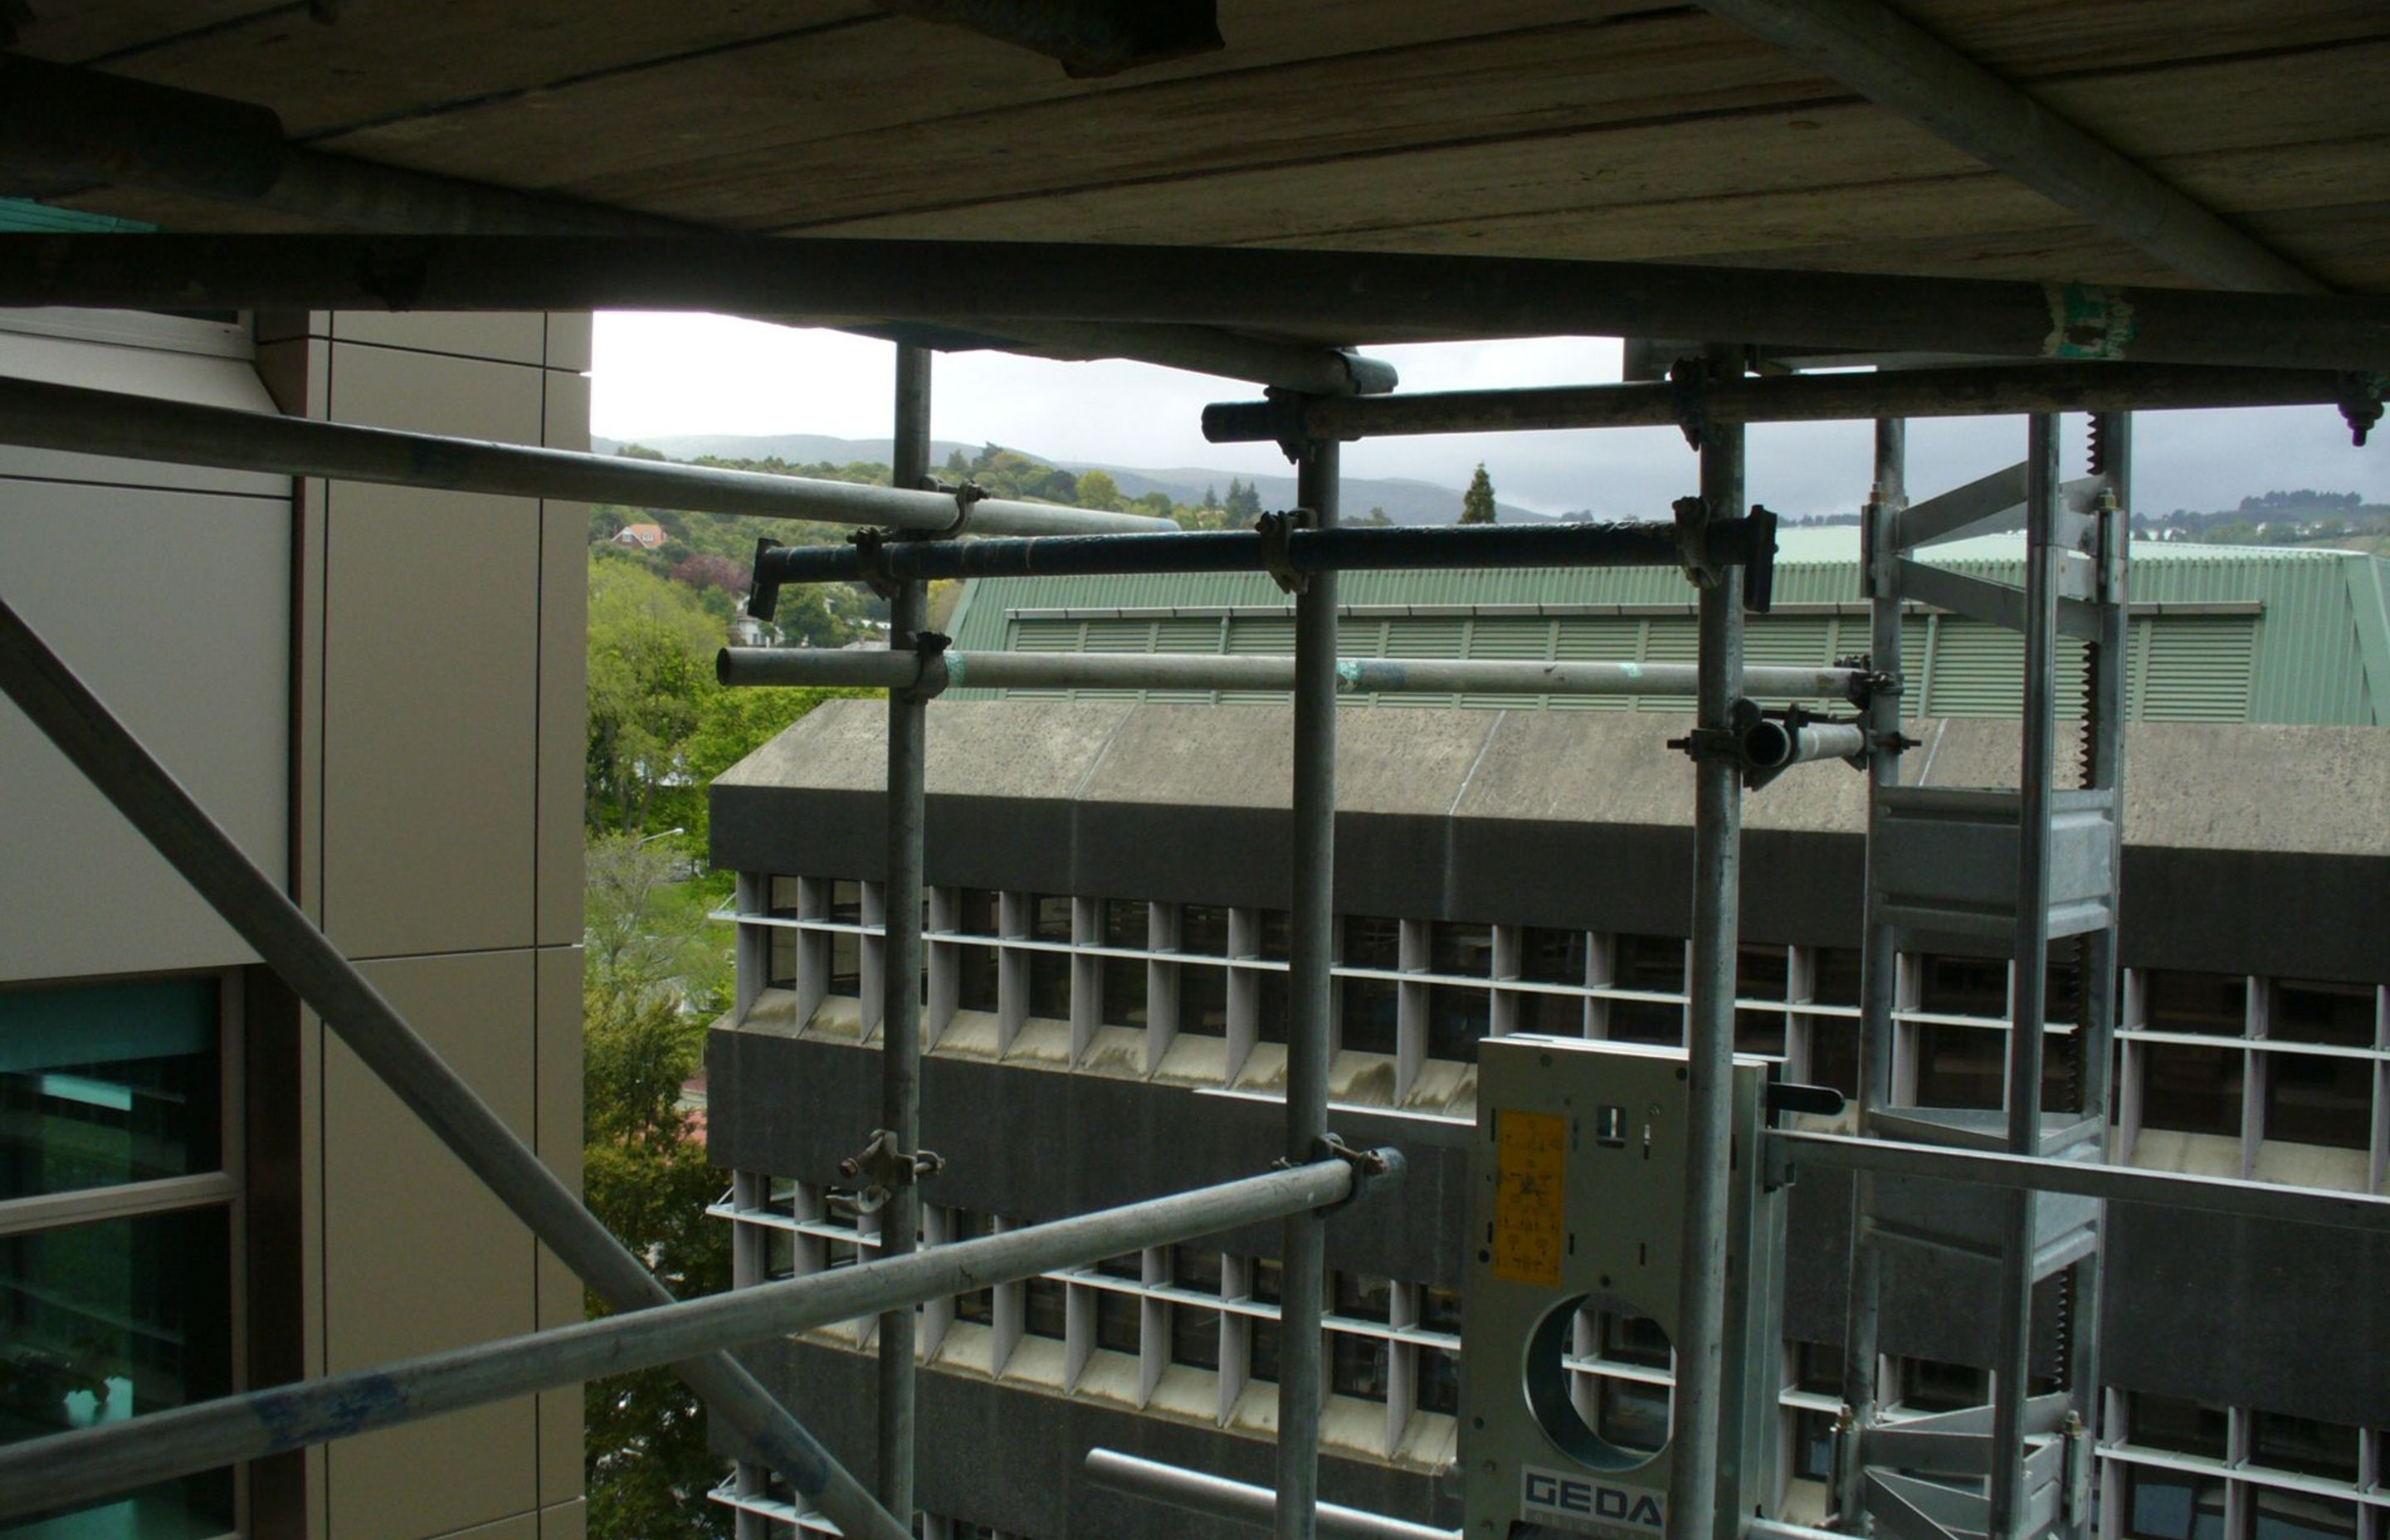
(115, 762)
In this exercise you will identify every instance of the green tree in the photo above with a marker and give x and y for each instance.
(651, 648)
(1477, 503)
(647, 1178)
(1244, 502)
(1098, 490)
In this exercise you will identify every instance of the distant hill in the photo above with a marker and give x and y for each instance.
(1406, 501)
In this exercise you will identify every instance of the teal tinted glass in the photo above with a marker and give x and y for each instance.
(108, 1083)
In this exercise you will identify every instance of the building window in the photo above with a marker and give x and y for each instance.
(1203, 930)
(979, 1305)
(1274, 1008)
(1263, 1288)
(2305, 1445)
(1202, 1000)
(1548, 956)
(1050, 973)
(1928, 1386)
(2191, 1089)
(1371, 942)
(2308, 1011)
(1117, 1326)
(2180, 1426)
(2212, 1005)
(2314, 1099)
(1459, 950)
(1458, 1019)
(1761, 972)
(1194, 1328)
(1046, 1308)
(1652, 966)
(2173, 1505)
(781, 901)
(105, 1088)
(976, 979)
(1358, 1365)
(1273, 935)
(977, 913)
(1439, 1368)
(1368, 1012)
(1125, 928)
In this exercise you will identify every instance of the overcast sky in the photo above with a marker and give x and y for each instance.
(657, 376)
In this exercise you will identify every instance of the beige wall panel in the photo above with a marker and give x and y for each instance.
(559, 1303)
(108, 355)
(432, 652)
(565, 1521)
(568, 335)
(175, 607)
(418, 1256)
(564, 673)
(516, 338)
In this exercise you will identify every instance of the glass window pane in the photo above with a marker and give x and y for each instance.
(108, 1083)
(976, 912)
(1961, 1066)
(1203, 929)
(1371, 942)
(1126, 923)
(969, 1224)
(1195, 1267)
(782, 970)
(113, 1320)
(1927, 1386)
(1361, 1296)
(1551, 956)
(2306, 1444)
(1440, 1310)
(1195, 1336)
(1552, 1015)
(2181, 1425)
(2191, 1090)
(1834, 1053)
(1125, 981)
(1047, 1308)
(1461, 948)
(1202, 1000)
(2300, 1516)
(1369, 1011)
(845, 901)
(1049, 916)
(2213, 1004)
(2169, 1505)
(1117, 1321)
(1963, 986)
(1632, 1414)
(845, 963)
(1357, 1365)
(1275, 934)
(1262, 1360)
(1457, 1019)
(1836, 981)
(780, 896)
(2305, 1010)
(976, 973)
(1813, 1446)
(1275, 1008)
(1655, 964)
(1439, 1381)
(2311, 1099)
(1049, 985)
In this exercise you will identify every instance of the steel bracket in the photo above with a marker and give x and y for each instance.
(763, 594)
(1871, 683)
(1369, 1166)
(1689, 381)
(1286, 423)
(1693, 543)
(1724, 743)
(882, 1168)
(966, 494)
(1274, 528)
(932, 674)
(871, 549)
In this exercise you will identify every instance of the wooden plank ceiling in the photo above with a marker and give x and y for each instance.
(1575, 128)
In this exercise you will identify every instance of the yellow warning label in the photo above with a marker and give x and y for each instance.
(1530, 1216)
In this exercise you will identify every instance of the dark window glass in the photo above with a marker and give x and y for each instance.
(976, 912)
(980, 1304)
(1195, 1267)
(1358, 1365)
(116, 1319)
(1961, 1066)
(1927, 1386)
(2169, 1505)
(108, 1083)
(2303, 1444)
(1370, 941)
(1634, 1340)
(1655, 964)
(1125, 981)
(1275, 1009)
(1370, 1010)
(1551, 956)
(1761, 972)
(976, 976)
(845, 963)
(1552, 1015)
(1203, 930)
(1439, 1381)
(1131, 1267)
(1813, 1446)
(1126, 923)
(1274, 936)
(845, 901)
(2191, 1090)
(1834, 1053)
(1049, 916)
(1462, 949)
(2307, 1011)
(1362, 1297)
(1457, 1019)
(1202, 999)
(2311, 1099)
(780, 897)
(2183, 1426)
(1049, 985)
(1836, 976)
(2301, 1516)
(1047, 1311)
(1262, 1280)
(2214, 1004)
(1263, 1288)
(1963, 986)
(781, 971)
(1440, 1310)
(780, 1254)
(1195, 1336)
(1632, 1414)
(1117, 1321)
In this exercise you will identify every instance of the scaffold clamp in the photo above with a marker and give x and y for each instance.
(1274, 528)
(882, 1168)
(1370, 1167)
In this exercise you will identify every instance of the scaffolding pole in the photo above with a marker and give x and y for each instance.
(144, 427)
(900, 1032)
(1957, 391)
(1218, 1497)
(824, 668)
(1879, 969)
(64, 1469)
(1718, 839)
(1311, 999)
(80, 724)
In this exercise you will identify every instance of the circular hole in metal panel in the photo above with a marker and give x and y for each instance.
(1604, 1422)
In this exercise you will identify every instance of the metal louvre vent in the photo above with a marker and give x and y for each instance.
(2196, 668)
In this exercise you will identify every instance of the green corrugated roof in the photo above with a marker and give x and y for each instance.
(23, 214)
(2315, 648)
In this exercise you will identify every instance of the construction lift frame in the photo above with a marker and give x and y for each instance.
(2036, 871)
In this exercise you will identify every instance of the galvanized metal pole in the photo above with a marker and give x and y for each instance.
(57, 702)
(899, 1033)
(2038, 730)
(1717, 836)
(143, 428)
(1218, 1497)
(871, 669)
(1303, 1279)
(67, 1469)
(1879, 974)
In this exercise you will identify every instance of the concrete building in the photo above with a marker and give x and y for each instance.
(379, 693)
(1106, 1014)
